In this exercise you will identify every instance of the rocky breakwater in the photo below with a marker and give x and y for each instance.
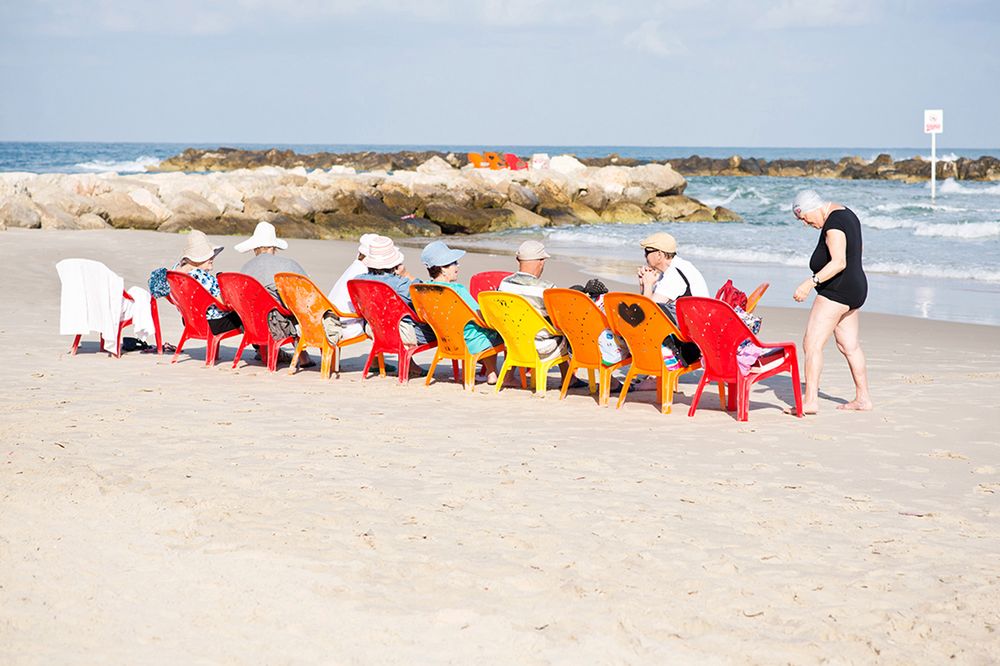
(340, 202)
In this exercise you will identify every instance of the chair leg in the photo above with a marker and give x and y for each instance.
(239, 351)
(742, 398)
(454, 369)
(76, 344)
(667, 380)
(404, 356)
(180, 345)
(329, 351)
(294, 365)
(722, 396)
(541, 379)
(604, 386)
(731, 397)
(697, 393)
(155, 313)
(430, 372)
(524, 378)
(381, 365)
(212, 348)
(272, 355)
(503, 373)
(625, 386)
(368, 364)
(796, 386)
(568, 378)
(590, 381)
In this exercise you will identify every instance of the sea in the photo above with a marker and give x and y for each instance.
(929, 258)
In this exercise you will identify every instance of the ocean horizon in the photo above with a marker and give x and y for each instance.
(935, 259)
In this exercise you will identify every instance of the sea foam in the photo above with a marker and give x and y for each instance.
(128, 166)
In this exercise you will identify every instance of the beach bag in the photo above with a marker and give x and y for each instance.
(731, 296)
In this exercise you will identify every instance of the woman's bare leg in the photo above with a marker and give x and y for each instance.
(823, 319)
(848, 342)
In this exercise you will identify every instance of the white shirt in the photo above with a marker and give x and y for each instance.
(339, 295)
(671, 285)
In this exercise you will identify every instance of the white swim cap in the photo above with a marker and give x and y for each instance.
(805, 201)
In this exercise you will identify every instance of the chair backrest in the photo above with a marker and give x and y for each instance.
(380, 306)
(643, 325)
(516, 320)
(193, 301)
(446, 312)
(486, 281)
(476, 160)
(493, 159)
(307, 303)
(716, 329)
(514, 162)
(252, 303)
(580, 320)
(754, 298)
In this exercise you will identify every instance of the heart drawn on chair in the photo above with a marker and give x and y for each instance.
(631, 314)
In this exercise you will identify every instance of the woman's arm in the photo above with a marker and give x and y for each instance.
(836, 244)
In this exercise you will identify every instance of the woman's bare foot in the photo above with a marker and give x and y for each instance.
(491, 379)
(810, 410)
(856, 406)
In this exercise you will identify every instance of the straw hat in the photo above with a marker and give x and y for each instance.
(382, 253)
(198, 248)
(263, 236)
(530, 250)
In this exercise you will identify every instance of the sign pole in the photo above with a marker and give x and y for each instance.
(933, 125)
(933, 165)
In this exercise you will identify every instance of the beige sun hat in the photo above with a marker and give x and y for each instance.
(264, 235)
(198, 248)
(660, 241)
(382, 253)
(531, 249)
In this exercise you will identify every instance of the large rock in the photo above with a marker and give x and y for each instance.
(20, 211)
(400, 202)
(219, 226)
(522, 196)
(524, 218)
(54, 217)
(725, 215)
(353, 225)
(660, 178)
(192, 205)
(460, 220)
(675, 207)
(91, 222)
(584, 212)
(638, 195)
(595, 197)
(435, 165)
(552, 193)
(566, 164)
(560, 216)
(150, 201)
(625, 213)
(122, 212)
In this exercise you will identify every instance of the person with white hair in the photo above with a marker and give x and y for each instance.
(348, 328)
(841, 289)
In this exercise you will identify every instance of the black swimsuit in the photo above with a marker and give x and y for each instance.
(850, 286)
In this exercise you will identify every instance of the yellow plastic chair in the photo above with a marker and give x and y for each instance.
(582, 322)
(643, 325)
(754, 298)
(309, 304)
(518, 322)
(448, 314)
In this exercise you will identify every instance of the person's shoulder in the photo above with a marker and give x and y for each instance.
(841, 218)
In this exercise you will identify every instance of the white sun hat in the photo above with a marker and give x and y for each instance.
(383, 253)
(263, 236)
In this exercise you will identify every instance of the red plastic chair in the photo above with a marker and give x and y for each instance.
(514, 162)
(486, 281)
(192, 301)
(154, 311)
(252, 303)
(380, 306)
(718, 331)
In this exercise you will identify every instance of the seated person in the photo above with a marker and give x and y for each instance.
(385, 264)
(442, 266)
(665, 278)
(528, 282)
(337, 329)
(198, 261)
(262, 267)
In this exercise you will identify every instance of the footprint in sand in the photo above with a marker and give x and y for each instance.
(941, 453)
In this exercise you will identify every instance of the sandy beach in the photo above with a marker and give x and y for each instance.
(161, 514)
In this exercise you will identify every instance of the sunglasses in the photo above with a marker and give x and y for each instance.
(668, 255)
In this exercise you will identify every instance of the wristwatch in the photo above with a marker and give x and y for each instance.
(815, 280)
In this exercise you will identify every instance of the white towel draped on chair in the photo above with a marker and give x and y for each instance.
(91, 300)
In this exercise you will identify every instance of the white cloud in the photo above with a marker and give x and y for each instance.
(649, 38)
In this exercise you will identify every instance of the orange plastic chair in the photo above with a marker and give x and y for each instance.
(382, 308)
(644, 326)
(476, 160)
(494, 160)
(514, 162)
(448, 314)
(718, 331)
(253, 303)
(582, 322)
(486, 281)
(192, 301)
(754, 298)
(517, 322)
(309, 304)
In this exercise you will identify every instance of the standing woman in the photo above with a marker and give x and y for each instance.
(841, 289)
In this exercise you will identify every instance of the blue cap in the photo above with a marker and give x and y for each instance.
(439, 254)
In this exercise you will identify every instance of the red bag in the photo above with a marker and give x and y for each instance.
(731, 295)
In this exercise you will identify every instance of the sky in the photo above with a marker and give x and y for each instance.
(797, 73)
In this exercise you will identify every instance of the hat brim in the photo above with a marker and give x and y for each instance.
(205, 257)
(383, 262)
(447, 258)
(534, 257)
(254, 242)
